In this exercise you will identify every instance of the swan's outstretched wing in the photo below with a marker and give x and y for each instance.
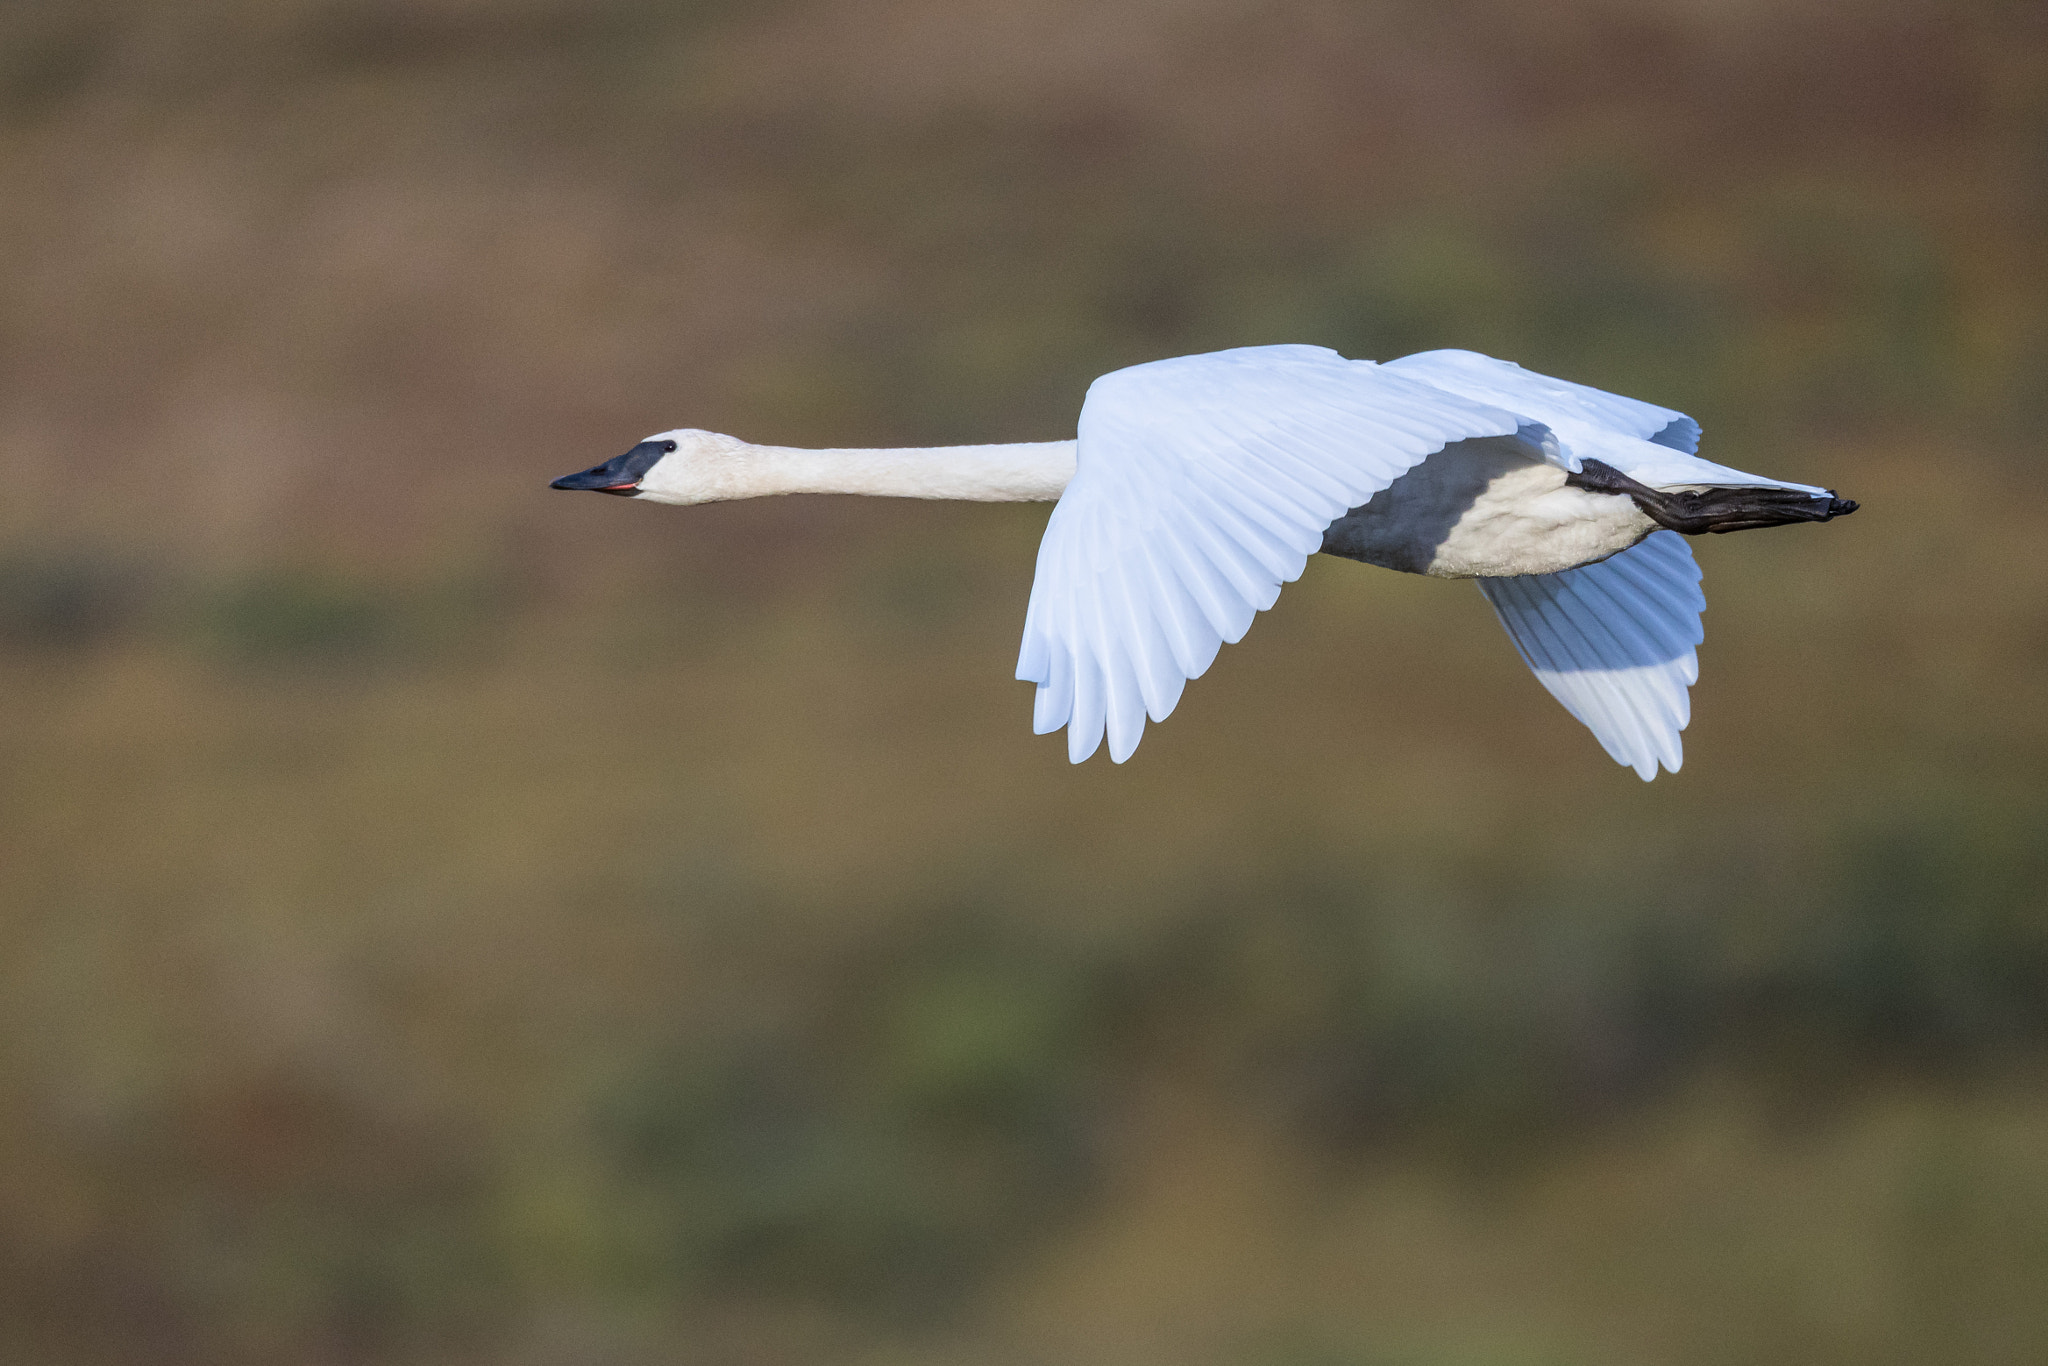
(1508, 384)
(1614, 642)
(1653, 445)
(1202, 484)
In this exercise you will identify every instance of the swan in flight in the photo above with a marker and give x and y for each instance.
(1198, 485)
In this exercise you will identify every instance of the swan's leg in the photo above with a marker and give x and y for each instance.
(1713, 510)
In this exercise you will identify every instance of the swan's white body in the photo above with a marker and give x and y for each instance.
(1482, 508)
(1199, 485)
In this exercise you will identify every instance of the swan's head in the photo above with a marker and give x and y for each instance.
(682, 466)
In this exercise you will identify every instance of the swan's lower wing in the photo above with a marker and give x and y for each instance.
(1202, 484)
(1614, 641)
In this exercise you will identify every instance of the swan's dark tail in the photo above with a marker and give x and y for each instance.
(1715, 510)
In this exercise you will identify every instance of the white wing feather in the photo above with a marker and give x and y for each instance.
(1653, 445)
(1204, 483)
(1506, 383)
(1614, 641)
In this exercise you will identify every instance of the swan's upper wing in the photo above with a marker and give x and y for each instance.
(1614, 642)
(1508, 384)
(1202, 484)
(1653, 445)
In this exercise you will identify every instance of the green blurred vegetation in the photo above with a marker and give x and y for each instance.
(441, 921)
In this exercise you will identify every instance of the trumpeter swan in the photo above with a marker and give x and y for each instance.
(1198, 485)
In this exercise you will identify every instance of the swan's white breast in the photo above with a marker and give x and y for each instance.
(1483, 509)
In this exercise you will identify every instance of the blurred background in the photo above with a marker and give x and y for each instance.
(444, 921)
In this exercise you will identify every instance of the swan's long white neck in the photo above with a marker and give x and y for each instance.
(715, 468)
(1023, 472)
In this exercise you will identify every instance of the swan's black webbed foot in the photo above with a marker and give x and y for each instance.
(1713, 510)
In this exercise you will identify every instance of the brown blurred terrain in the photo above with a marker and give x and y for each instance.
(443, 921)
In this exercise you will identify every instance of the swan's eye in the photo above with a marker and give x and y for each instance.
(668, 446)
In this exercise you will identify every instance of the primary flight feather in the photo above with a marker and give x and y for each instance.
(1197, 486)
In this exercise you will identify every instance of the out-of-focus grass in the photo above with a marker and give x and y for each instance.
(612, 966)
(444, 921)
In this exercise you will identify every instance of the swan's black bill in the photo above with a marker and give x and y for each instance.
(621, 474)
